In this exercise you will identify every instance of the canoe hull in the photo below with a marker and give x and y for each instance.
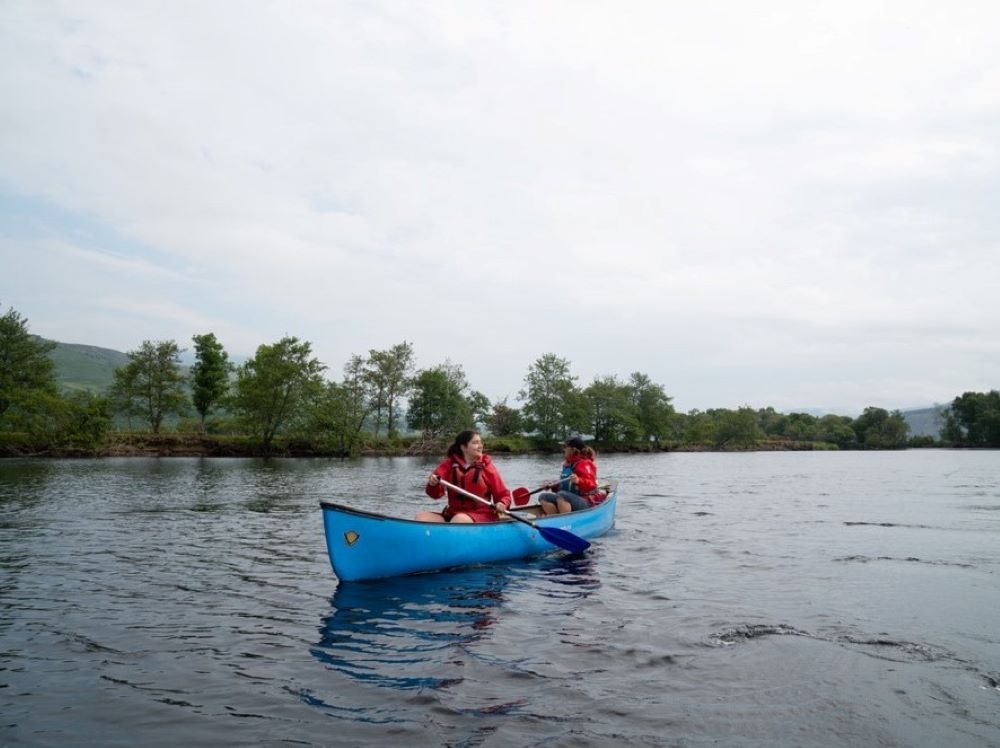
(364, 545)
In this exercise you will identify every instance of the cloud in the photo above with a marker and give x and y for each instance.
(705, 193)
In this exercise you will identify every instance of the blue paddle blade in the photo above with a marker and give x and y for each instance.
(564, 539)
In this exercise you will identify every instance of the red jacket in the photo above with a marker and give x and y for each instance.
(585, 471)
(480, 478)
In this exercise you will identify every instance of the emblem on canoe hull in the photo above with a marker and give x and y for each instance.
(351, 537)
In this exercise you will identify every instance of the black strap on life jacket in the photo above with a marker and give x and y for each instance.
(458, 474)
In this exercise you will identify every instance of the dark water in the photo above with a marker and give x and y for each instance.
(807, 599)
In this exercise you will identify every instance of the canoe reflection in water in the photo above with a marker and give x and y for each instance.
(420, 631)
(399, 632)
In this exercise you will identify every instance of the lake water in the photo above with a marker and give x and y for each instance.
(760, 599)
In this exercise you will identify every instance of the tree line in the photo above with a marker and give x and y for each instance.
(282, 392)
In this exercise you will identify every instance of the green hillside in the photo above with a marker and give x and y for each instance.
(86, 367)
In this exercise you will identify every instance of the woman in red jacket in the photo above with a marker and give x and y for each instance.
(467, 467)
(577, 486)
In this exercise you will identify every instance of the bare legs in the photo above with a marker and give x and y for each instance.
(559, 506)
(459, 518)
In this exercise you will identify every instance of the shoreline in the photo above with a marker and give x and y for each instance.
(202, 445)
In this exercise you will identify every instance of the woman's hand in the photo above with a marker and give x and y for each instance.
(433, 480)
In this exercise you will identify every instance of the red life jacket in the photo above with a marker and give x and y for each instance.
(585, 469)
(469, 477)
(480, 478)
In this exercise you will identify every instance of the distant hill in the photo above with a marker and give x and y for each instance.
(86, 367)
(925, 421)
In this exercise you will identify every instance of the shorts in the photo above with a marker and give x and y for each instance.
(477, 515)
(576, 501)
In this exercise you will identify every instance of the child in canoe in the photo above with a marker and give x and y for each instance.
(577, 486)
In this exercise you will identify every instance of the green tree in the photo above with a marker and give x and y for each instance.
(26, 371)
(575, 413)
(357, 392)
(651, 406)
(735, 428)
(836, 430)
(77, 421)
(276, 388)
(33, 413)
(209, 375)
(388, 374)
(439, 403)
(151, 384)
(339, 412)
(552, 402)
(479, 406)
(504, 420)
(613, 417)
(86, 421)
(771, 422)
(696, 427)
(801, 427)
(973, 419)
(877, 428)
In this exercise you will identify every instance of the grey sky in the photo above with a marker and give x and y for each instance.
(779, 203)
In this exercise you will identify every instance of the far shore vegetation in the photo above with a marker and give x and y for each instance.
(283, 402)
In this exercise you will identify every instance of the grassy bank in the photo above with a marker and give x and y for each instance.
(144, 444)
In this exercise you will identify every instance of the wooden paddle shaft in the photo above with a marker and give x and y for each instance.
(481, 500)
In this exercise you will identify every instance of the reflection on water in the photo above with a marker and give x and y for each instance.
(22, 485)
(575, 575)
(416, 632)
(398, 632)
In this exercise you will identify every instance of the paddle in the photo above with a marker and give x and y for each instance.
(562, 538)
(521, 495)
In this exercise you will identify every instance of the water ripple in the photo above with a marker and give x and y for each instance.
(740, 600)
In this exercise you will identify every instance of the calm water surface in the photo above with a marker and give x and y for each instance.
(807, 599)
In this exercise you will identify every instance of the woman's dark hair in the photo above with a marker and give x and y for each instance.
(463, 438)
(575, 442)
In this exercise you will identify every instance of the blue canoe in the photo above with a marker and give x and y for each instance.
(365, 545)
